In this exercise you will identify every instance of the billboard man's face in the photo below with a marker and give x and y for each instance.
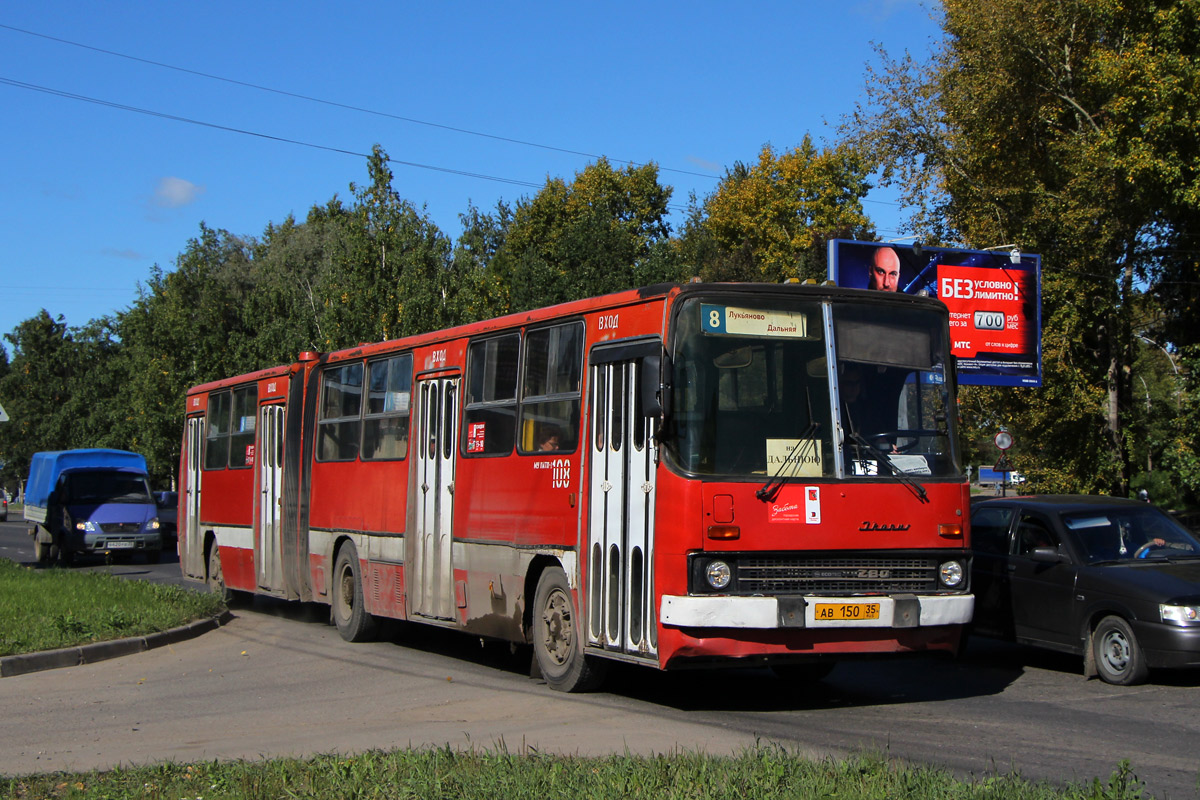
(885, 270)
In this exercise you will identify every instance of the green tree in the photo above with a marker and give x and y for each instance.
(1069, 128)
(291, 266)
(185, 328)
(603, 232)
(389, 270)
(773, 221)
(57, 391)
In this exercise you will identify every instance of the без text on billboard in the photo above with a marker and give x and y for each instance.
(994, 299)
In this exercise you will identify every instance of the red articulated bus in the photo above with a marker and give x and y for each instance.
(681, 475)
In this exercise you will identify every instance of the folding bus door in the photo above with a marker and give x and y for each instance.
(621, 606)
(431, 569)
(191, 537)
(268, 543)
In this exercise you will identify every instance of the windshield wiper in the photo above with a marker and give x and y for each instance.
(908, 480)
(770, 490)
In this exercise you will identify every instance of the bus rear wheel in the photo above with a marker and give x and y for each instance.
(350, 615)
(216, 578)
(556, 637)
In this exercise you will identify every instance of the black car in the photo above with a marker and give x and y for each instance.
(1116, 581)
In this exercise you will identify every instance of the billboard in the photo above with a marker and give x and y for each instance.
(994, 299)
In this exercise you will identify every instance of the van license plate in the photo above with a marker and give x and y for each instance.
(120, 545)
(846, 611)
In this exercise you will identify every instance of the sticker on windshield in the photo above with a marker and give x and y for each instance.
(794, 458)
(732, 321)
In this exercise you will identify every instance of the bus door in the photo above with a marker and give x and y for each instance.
(436, 447)
(268, 546)
(191, 537)
(621, 490)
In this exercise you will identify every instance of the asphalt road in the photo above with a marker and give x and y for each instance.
(279, 681)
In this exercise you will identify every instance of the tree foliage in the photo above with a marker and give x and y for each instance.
(772, 221)
(607, 230)
(1068, 128)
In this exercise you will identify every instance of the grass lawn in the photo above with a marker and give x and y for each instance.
(764, 773)
(45, 609)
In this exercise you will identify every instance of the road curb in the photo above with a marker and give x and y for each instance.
(102, 651)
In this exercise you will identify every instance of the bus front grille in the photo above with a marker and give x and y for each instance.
(799, 575)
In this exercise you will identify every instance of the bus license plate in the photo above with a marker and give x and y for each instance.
(847, 611)
(120, 545)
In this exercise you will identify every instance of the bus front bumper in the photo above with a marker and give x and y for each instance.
(893, 611)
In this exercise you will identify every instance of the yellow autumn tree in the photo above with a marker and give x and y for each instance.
(772, 221)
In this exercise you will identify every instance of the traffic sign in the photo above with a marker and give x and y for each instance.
(3, 415)
(1004, 440)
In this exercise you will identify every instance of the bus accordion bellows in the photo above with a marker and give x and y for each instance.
(674, 476)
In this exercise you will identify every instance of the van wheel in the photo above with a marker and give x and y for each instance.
(349, 613)
(557, 645)
(41, 551)
(1119, 658)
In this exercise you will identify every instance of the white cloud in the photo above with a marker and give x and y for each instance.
(176, 193)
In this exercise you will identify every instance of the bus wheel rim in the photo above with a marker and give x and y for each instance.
(558, 629)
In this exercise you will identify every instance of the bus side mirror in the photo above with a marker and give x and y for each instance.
(653, 386)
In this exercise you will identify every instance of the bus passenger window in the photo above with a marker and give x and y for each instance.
(339, 422)
(216, 444)
(550, 389)
(229, 440)
(389, 398)
(490, 418)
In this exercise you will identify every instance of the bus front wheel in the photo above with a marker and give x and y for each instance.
(556, 637)
(353, 622)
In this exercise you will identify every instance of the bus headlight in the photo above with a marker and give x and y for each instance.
(718, 574)
(951, 574)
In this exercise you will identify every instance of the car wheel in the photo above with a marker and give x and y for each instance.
(350, 615)
(556, 644)
(1119, 658)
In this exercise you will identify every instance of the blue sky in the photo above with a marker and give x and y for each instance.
(93, 194)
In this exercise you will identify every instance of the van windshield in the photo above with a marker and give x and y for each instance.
(94, 488)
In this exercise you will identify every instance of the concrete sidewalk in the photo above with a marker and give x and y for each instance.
(102, 651)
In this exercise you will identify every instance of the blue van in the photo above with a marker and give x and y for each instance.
(91, 501)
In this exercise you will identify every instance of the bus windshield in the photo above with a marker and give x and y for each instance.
(752, 393)
(751, 389)
(895, 403)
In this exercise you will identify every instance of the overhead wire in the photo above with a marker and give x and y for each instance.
(345, 106)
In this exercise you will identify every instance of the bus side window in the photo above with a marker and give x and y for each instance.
(340, 418)
(550, 390)
(490, 419)
(216, 436)
(389, 398)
